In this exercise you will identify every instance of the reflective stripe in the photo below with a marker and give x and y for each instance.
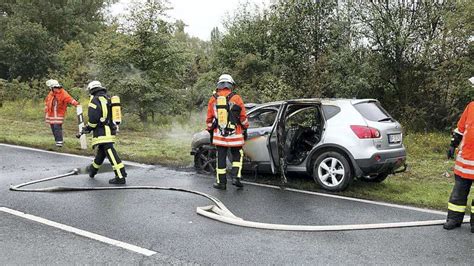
(103, 104)
(91, 125)
(93, 105)
(239, 174)
(456, 208)
(114, 163)
(228, 143)
(232, 137)
(464, 170)
(236, 164)
(103, 139)
(118, 166)
(96, 166)
(107, 131)
(220, 172)
(464, 161)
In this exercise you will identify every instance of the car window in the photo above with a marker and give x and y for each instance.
(330, 111)
(304, 117)
(262, 118)
(372, 111)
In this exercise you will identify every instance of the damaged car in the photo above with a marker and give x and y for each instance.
(332, 140)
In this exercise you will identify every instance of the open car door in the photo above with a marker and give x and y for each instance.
(276, 143)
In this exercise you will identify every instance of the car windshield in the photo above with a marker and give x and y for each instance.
(373, 111)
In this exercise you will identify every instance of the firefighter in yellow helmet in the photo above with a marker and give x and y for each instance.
(227, 122)
(104, 130)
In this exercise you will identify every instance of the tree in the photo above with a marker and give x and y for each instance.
(143, 62)
(26, 50)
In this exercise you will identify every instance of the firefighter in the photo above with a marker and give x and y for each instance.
(227, 123)
(103, 130)
(56, 103)
(463, 138)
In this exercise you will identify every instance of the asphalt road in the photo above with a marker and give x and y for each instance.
(166, 222)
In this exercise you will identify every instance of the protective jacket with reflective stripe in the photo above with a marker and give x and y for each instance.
(100, 119)
(56, 105)
(465, 159)
(233, 140)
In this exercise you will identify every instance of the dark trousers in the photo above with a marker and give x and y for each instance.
(108, 150)
(458, 199)
(57, 133)
(237, 163)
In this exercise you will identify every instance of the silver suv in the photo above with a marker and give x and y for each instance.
(333, 140)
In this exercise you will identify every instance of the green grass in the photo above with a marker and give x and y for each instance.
(427, 183)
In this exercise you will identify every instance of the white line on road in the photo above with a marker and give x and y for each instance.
(80, 232)
(351, 199)
(70, 155)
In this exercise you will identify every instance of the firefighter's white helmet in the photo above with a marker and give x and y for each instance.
(472, 81)
(225, 81)
(94, 86)
(52, 83)
(226, 78)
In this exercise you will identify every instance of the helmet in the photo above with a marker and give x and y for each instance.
(472, 81)
(94, 86)
(52, 83)
(225, 81)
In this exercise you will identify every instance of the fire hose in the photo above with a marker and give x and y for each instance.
(219, 211)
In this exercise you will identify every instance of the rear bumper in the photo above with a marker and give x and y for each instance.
(387, 162)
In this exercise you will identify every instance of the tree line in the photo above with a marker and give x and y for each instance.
(414, 56)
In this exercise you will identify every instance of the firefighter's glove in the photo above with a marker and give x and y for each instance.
(85, 130)
(450, 152)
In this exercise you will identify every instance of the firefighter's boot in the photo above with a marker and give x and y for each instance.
(92, 171)
(117, 181)
(220, 185)
(236, 182)
(451, 224)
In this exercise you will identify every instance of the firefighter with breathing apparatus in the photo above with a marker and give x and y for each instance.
(227, 123)
(104, 117)
(463, 139)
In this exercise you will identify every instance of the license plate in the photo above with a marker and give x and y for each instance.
(394, 138)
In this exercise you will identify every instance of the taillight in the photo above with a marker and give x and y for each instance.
(364, 132)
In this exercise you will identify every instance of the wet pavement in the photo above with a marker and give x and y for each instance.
(167, 223)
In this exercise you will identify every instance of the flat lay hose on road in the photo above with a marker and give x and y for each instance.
(219, 211)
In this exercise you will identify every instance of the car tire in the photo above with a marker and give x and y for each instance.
(205, 160)
(332, 171)
(375, 179)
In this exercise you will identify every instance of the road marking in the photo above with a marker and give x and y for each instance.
(71, 155)
(349, 198)
(80, 232)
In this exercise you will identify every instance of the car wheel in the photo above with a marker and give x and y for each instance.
(332, 171)
(376, 178)
(205, 160)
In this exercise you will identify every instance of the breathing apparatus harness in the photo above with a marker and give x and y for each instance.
(227, 114)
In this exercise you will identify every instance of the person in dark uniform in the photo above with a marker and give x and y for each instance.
(103, 131)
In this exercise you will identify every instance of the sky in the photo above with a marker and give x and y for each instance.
(201, 16)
